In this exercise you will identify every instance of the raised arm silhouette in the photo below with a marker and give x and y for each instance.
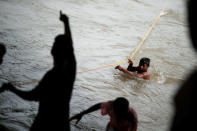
(54, 90)
(2, 53)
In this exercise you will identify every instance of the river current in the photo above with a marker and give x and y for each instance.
(104, 32)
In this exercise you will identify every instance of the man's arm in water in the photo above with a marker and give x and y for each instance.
(141, 75)
(32, 95)
(91, 109)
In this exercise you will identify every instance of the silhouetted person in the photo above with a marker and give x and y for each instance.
(54, 90)
(185, 99)
(2, 52)
(141, 70)
(122, 117)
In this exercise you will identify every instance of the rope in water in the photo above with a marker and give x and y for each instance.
(106, 66)
(135, 51)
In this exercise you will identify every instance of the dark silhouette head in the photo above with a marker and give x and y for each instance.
(121, 107)
(192, 21)
(61, 49)
(144, 61)
(2, 52)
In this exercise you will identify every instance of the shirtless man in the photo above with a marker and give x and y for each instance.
(122, 117)
(141, 70)
(55, 89)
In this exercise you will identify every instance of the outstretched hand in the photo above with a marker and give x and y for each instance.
(6, 86)
(63, 17)
(77, 116)
(119, 68)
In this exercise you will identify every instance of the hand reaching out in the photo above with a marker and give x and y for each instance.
(78, 117)
(117, 67)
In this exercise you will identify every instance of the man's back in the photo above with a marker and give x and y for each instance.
(128, 123)
(55, 90)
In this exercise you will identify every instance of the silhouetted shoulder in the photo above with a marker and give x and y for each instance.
(186, 106)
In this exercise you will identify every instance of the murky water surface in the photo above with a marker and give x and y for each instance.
(104, 32)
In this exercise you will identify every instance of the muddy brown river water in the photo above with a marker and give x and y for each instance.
(104, 32)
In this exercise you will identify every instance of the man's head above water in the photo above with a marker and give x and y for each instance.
(144, 61)
(144, 64)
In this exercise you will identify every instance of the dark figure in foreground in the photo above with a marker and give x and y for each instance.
(141, 70)
(2, 52)
(122, 117)
(185, 99)
(54, 91)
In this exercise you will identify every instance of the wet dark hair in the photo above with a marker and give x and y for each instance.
(61, 49)
(121, 107)
(144, 61)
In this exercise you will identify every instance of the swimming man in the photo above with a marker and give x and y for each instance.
(141, 70)
(122, 117)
